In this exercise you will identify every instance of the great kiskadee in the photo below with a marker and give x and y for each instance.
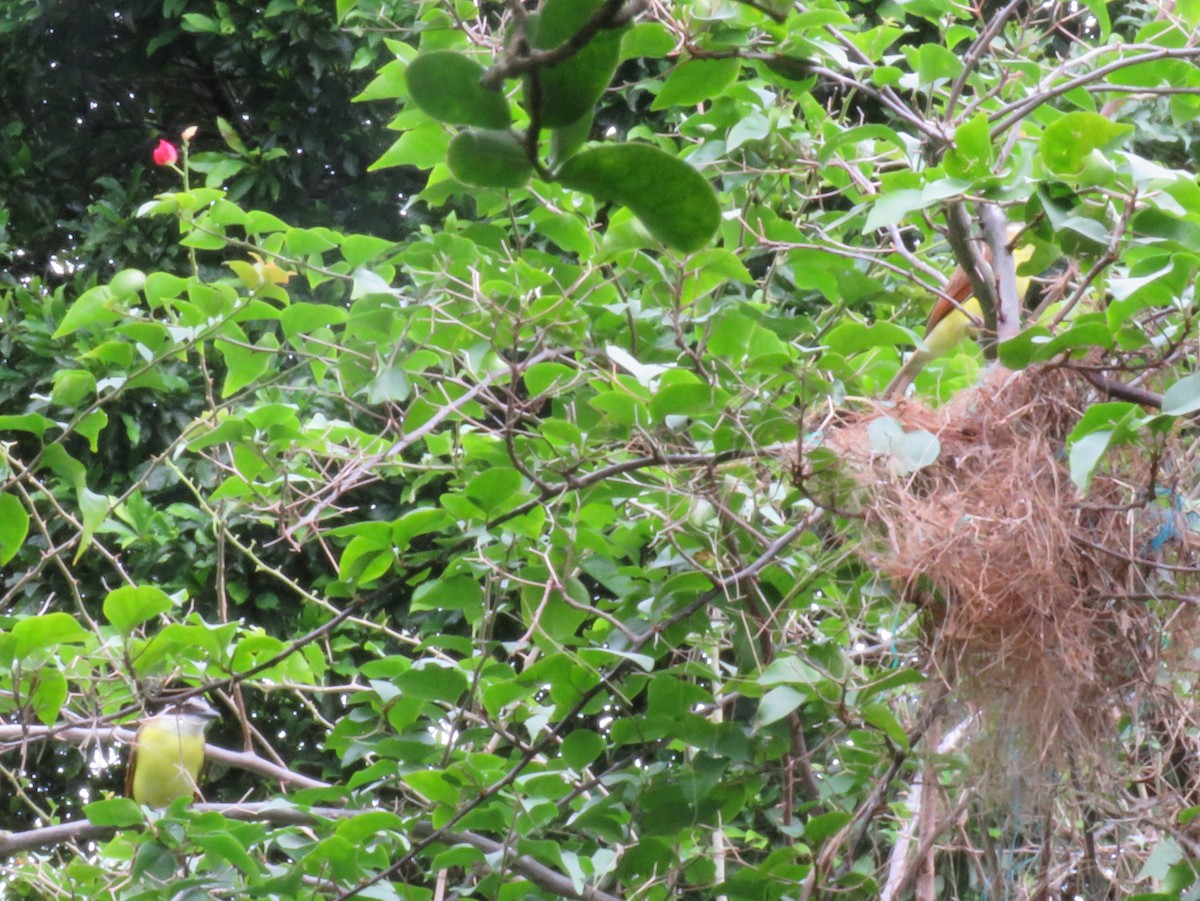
(168, 753)
(949, 323)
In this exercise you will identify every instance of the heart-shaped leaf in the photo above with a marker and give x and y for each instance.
(1068, 141)
(908, 451)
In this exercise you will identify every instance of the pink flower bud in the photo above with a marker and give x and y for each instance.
(165, 153)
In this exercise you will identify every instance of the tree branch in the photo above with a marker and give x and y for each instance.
(610, 15)
(273, 813)
(958, 233)
(1004, 269)
(12, 736)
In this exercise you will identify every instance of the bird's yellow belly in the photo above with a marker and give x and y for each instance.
(167, 767)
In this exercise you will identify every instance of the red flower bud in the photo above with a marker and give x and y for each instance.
(165, 153)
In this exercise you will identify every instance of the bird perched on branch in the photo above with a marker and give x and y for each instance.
(168, 753)
(955, 315)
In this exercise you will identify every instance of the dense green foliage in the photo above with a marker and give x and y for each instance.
(88, 89)
(461, 465)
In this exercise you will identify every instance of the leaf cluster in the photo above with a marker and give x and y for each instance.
(501, 531)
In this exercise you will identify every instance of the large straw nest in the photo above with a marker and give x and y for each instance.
(1036, 608)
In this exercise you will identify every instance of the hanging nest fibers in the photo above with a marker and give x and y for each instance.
(1039, 598)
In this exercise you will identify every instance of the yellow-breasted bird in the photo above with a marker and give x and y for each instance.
(949, 323)
(168, 753)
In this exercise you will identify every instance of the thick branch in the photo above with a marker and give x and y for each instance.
(1121, 391)
(972, 262)
(1004, 268)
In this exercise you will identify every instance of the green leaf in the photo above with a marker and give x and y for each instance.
(366, 827)
(309, 242)
(424, 147)
(244, 365)
(674, 201)
(367, 281)
(162, 287)
(432, 681)
(453, 593)
(389, 83)
(1099, 9)
(91, 426)
(778, 703)
(131, 605)
(565, 141)
(1183, 397)
(253, 650)
(202, 240)
(571, 88)
(493, 487)
(118, 812)
(823, 825)
(1102, 426)
(93, 510)
(556, 619)
(66, 467)
(909, 451)
(365, 560)
(752, 127)
(92, 309)
(72, 386)
(581, 747)
(891, 207)
(790, 670)
(695, 81)
(34, 423)
(49, 694)
(49, 630)
(446, 85)
(972, 153)
(1069, 140)
(14, 527)
(541, 377)
(932, 62)
(201, 23)
(850, 337)
(306, 318)
(422, 521)
(434, 785)
(489, 159)
(231, 138)
(358, 249)
(895, 679)
(1165, 855)
(224, 848)
(879, 716)
(127, 282)
(566, 230)
(647, 39)
(683, 397)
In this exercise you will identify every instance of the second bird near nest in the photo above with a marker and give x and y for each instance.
(949, 323)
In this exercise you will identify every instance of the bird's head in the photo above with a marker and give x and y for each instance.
(194, 712)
